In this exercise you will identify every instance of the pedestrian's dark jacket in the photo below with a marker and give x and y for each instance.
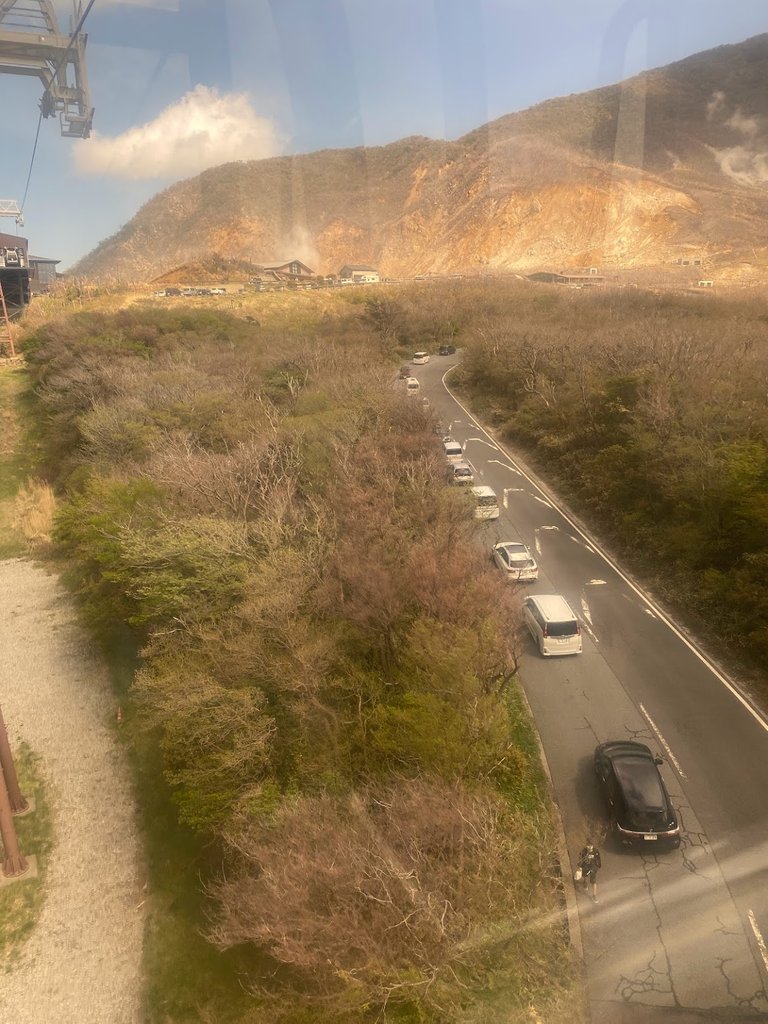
(590, 861)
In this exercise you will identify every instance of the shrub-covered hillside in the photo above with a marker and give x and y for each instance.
(326, 673)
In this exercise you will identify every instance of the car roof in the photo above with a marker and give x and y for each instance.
(513, 545)
(461, 464)
(553, 607)
(450, 443)
(482, 491)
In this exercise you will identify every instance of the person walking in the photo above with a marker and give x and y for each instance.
(590, 864)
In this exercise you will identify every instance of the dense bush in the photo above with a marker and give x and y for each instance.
(652, 414)
(323, 645)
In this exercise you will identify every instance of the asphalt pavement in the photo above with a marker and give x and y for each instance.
(676, 936)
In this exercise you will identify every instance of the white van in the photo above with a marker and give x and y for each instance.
(552, 624)
(453, 450)
(420, 357)
(412, 386)
(486, 503)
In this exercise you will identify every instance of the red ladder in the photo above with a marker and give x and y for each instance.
(6, 332)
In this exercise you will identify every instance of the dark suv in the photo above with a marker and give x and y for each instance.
(446, 350)
(638, 802)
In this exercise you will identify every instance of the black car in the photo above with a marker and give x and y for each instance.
(638, 802)
(446, 350)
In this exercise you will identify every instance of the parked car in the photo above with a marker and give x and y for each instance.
(420, 357)
(412, 387)
(453, 450)
(552, 624)
(173, 291)
(446, 350)
(486, 502)
(218, 291)
(461, 472)
(515, 560)
(405, 372)
(641, 812)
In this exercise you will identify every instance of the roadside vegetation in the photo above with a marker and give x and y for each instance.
(345, 814)
(650, 414)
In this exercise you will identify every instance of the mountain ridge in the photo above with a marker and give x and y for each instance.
(671, 162)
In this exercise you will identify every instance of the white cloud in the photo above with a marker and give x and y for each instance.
(202, 130)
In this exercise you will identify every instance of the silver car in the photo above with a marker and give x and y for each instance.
(515, 560)
(462, 472)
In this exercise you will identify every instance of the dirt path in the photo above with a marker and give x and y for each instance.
(82, 963)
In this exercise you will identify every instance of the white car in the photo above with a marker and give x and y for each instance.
(420, 357)
(462, 472)
(453, 450)
(515, 560)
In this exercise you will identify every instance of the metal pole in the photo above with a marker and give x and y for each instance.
(14, 862)
(17, 799)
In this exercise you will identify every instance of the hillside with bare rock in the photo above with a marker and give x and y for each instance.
(670, 164)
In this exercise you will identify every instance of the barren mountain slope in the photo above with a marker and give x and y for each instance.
(669, 163)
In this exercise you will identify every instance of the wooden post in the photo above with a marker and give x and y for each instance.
(17, 800)
(14, 862)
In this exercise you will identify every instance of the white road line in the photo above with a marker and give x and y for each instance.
(506, 465)
(536, 541)
(585, 610)
(597, 583)
(585, 627)
(735, 692)
(581, 543)
(505, 499)
(758, 938)
(543, 502)
(482, 441)
(664, 743)
(548, 527)
(649, 612)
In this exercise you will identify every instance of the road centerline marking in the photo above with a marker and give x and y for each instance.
(664, 743)
(758, 938)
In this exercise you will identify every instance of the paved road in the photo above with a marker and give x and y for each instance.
(676, 936)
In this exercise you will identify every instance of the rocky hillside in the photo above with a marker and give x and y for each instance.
(670, 164)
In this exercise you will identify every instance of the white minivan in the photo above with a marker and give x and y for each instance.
(420, 357)
(412, 386)
(453, 450)
(486, 503)
(552, 624)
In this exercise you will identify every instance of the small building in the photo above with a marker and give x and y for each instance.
(42, 274)
(359, 274)
(293, 270)
(14, 270)
(705, 284)
(573, 280)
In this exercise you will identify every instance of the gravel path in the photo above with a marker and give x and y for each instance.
(82, 963)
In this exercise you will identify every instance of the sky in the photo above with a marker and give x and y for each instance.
(182, 85)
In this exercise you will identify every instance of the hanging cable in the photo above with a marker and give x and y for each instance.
(32, 161)
(56, 70)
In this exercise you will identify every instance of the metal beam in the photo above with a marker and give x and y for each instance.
(31, 44)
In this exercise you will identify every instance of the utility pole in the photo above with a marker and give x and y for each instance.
(17, 801)
(14, 861)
